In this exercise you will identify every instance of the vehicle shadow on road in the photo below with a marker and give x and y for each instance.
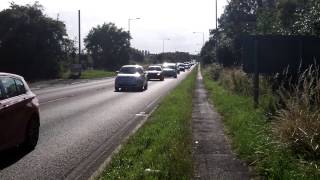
(129, 91)
(11, 156)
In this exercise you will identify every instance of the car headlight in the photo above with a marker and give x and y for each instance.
(158, 74)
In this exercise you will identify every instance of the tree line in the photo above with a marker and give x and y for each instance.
(258, 17)
(38, 47)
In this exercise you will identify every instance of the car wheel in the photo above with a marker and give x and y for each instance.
(175, 76)
(32, 134)
(162, 79)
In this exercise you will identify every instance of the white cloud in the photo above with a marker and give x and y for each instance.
(174, 19)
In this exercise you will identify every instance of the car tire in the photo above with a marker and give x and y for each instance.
(162, 79)
(175, 76)
(32, 134)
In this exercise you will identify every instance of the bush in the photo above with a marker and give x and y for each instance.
(215, 71)
(237, 81)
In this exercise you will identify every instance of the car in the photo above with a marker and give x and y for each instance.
(131, 77)
(19, 113)
(170, 70)
(186, 65)
(155, 72)
(181, 67)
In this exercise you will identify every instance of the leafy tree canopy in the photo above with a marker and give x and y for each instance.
(109, 46)
(32, 44)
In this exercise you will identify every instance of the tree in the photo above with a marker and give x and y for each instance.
(207, 54)
(31, 44)
(109, 46)
(136, 56)
(173, 57)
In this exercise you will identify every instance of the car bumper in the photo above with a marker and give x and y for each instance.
(155, 76)
(170, 74)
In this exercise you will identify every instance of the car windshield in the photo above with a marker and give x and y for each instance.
(153, 68)
(171, 67)
(128, 70)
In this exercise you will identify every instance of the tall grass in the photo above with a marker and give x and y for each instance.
(290, 107)
(237, 81)
(161, 148)
(298, 122)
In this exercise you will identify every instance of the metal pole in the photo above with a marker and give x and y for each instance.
(217, 32)
(79, 35)
(163, 46)
(202, 39)
(129, 26)
(216, 14)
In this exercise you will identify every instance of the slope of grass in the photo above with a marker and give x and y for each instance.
(161, 148)
(253, 139)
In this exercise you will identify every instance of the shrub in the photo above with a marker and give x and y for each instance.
(215, 71)
(237, 81)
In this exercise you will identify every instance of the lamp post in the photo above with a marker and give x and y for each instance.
(163, 44)
(129, 23)
(202, 36)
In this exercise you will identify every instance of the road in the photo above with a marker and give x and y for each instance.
(81, 124)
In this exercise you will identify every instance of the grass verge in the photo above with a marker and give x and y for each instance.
(252, 136)
(91, 74)
(161, 148)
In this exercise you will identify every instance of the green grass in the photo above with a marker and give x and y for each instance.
(91, 74)
(162, 144)
(252, 136)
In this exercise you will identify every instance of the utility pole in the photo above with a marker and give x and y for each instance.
(217, 32)
(79, 35)
(79, 22)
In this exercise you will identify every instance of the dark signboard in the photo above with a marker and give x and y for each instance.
(276, 53)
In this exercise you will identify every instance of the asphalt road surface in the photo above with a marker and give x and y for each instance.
(81, 124)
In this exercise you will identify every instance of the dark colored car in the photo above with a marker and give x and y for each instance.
(131, 77)
(170, 70)
(181, 67)
(155, 72)
(19, 113)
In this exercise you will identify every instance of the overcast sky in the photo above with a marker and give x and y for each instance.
(160, 19)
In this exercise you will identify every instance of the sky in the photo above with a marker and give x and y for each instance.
(159, 19)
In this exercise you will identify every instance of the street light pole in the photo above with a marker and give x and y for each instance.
(202, 37)
(216, 14)
(163, 44)
(129, 23)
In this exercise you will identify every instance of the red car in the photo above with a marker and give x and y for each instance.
(19, 113)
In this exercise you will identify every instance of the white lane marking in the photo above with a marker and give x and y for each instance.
(142, 114)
